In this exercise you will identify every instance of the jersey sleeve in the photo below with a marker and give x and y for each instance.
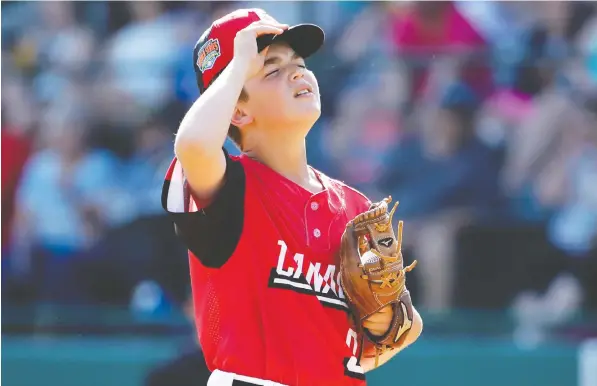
(212, 232)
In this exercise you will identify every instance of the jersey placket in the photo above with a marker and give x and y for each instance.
(317, 218)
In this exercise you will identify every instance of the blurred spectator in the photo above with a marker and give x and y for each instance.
(60, 48)
(16, 148)
(536, 156)
(586, 44)
(141, 56)
(364, 130)
(442, 164)
(64, 201)
(574, 225)
(144, 177)
(17, 129)
(446, 177)
(437, 28)
(140, 264)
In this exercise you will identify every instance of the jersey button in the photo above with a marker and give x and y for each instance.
(316, 232)
(314, 206)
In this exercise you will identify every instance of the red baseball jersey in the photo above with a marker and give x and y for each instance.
(265, 286)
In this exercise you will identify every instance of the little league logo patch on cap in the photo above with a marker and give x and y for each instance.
(208, 53)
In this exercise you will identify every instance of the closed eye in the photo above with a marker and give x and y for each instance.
(304, 67)
(271, 73)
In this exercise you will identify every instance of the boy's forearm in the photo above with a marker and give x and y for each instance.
(206, 123)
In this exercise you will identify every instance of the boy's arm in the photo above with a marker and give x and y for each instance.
(203, 130)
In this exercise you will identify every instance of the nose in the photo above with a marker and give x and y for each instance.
(296, 73)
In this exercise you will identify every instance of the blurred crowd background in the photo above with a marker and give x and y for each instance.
(479, 117)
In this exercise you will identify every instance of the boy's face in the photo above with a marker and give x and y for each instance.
(284, 94)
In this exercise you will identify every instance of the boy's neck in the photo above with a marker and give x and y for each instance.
(288, 160)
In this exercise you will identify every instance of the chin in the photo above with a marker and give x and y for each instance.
(301, 125)
(314, 113)
(311, 111)
(303, 115)
(308, 118)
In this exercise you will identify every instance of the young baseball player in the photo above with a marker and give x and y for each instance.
(263, 229)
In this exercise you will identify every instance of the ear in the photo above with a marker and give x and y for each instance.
(240, 117)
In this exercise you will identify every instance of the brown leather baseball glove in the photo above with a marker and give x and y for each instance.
(373, 273)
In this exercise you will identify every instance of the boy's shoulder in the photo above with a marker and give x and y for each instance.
(357, 195)
(352, 197)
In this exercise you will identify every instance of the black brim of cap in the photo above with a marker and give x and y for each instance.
(304, 39)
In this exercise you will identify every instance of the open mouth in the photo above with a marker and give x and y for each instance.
(303, 92)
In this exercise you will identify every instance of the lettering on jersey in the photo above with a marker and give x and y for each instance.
(352, 365)
(290, 274)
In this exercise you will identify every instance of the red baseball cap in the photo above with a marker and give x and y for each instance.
(215, 49)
